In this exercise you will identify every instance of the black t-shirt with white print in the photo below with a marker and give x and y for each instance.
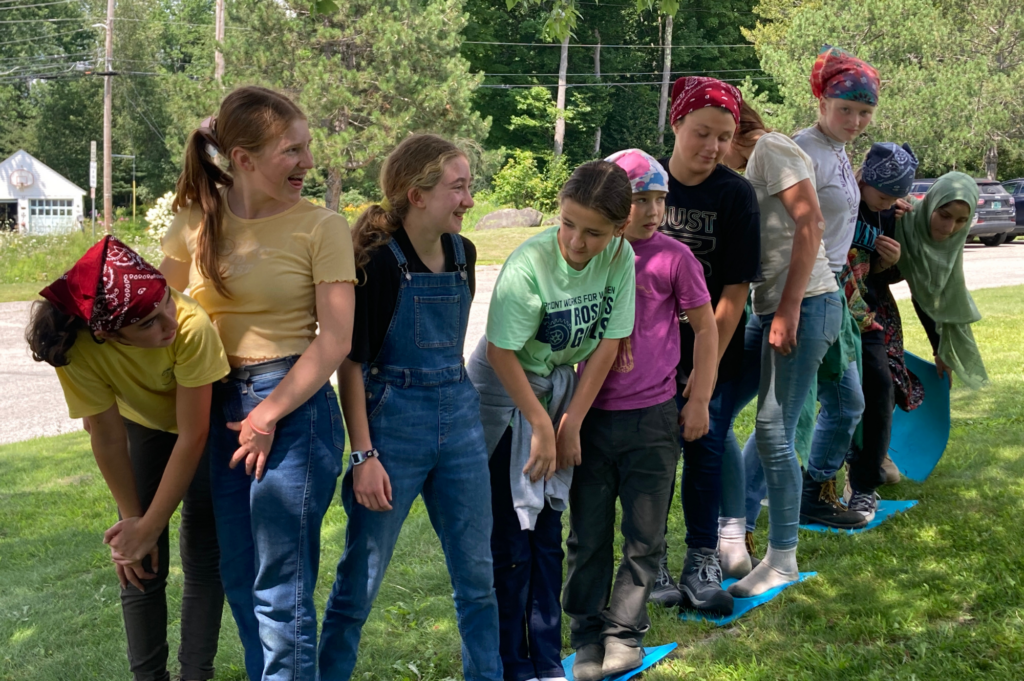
(720, 221)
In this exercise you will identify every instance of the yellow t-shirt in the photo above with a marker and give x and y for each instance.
(271, 268)
(143, 380)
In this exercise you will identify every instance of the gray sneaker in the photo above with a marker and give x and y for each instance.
(865, 504)
(701, 582)
(665, 592)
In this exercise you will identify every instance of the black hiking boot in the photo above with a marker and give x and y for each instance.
(820, 505)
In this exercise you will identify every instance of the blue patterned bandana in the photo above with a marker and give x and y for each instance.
(890, 169)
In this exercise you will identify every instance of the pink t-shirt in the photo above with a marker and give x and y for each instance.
(669, 279)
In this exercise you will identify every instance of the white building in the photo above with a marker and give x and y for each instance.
(36, 199)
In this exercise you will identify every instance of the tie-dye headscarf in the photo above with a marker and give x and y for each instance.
(697, 92)
(644, 171)
(837, 74)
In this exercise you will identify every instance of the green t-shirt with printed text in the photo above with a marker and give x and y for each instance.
(551, 314)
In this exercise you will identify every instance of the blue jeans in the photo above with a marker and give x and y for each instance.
(431, 442)
(734, 468)
(705, 462)
(785, 383)
(842, 405)
(269, 530)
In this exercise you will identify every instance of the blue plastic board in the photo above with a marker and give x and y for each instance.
(886, 509)
(652, 656)
(741, 606)
(919, 437)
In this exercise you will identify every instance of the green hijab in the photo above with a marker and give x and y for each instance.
(935, 272)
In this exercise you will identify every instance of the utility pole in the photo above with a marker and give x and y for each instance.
(666, 75)
(218, 35)
(108, 115)
(563, 65)
(597, 74)
(92, 184)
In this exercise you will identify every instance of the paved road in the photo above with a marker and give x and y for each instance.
(31, 404)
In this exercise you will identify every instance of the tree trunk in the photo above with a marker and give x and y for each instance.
(665, 77)
(991, 162)
(597, 75)
(333, 194)
(563, 65)
(218, 35)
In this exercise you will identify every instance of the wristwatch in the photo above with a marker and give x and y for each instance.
(358, 457)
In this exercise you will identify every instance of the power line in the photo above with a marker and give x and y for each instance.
(653, 47)
(151, 126)
(632, 73)
(44, 4)
(33, 21)
(45, 37)
(46, 56)
(653, 82)
(681, 9)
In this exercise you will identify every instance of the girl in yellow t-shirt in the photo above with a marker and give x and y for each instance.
(137, 359)
(268, 266)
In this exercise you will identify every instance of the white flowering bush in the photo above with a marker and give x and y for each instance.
(160, 215)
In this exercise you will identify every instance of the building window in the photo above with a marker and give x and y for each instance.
(51, 207)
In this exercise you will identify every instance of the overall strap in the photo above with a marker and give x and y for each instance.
(460, 254)
(403, 264)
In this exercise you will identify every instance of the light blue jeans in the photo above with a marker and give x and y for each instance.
(785, 383)
(842, 405)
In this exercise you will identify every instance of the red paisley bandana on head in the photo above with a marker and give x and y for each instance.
(697, 92)
(110, 287)
(837, 74)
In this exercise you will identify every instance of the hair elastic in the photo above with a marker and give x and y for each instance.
(257, 430)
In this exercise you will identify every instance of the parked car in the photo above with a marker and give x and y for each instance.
(995, 219)
(921, 187)
(1016, 189)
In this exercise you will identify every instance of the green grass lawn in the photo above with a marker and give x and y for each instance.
(934, 593)
(10, 293)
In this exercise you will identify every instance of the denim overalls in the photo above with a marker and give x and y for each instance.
(424, 418)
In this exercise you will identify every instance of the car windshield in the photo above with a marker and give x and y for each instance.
(1010, 188)
(921, 187)
(990, 188)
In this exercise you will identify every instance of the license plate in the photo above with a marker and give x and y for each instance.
(997, 205)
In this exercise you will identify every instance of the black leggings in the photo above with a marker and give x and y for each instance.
(879, 399)
(145, 612)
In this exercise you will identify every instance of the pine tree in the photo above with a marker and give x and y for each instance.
(366, 72)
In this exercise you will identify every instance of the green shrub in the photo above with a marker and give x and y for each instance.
(521, 183)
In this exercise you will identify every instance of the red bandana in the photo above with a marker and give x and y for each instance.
(697, 92)
(110, 287)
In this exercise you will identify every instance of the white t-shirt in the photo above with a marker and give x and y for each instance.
(776, 164)
(838, 193)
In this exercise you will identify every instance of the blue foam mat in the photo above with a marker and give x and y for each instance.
(886, 509)
(919, 437)
(741, 606)
(652, 656)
